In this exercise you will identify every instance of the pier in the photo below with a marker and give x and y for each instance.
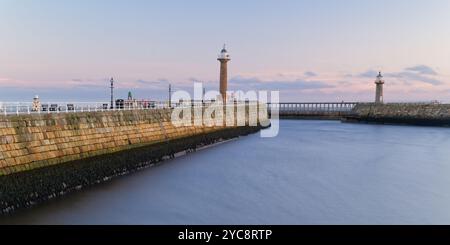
(312, 110)
(57, 151)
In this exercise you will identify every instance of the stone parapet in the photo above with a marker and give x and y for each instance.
(402, 113)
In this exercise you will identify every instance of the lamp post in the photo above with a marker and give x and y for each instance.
(170, 95)
(203, 96)
(112, 93)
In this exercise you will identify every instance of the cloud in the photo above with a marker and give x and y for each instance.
(298, 84)
(410, 83)
(368, 74)
(422, 69)
(161, 81)
(310, 74)
(415, 77)
(345, 83)
(194, 80)
(409, 75)
(85, 83)
(420, 73)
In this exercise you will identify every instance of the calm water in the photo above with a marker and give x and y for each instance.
(315, 172)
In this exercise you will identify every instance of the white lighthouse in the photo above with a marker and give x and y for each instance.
(379, 96)
(224, 58)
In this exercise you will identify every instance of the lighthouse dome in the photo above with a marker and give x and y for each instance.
(224, 49)
(379, 79)
(224, 54)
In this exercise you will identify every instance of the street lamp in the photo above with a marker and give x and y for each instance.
(170, 95)
(112, 93)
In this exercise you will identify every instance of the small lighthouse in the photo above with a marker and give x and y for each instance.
(379, 96)
(224, 57)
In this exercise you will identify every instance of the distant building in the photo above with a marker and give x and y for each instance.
(131, 103)
(379, 95)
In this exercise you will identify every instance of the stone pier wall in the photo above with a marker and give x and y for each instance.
(34, 141)
(48, 155)
(402, 113)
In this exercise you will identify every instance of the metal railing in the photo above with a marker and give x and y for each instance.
(316, 107)
(20, 108)
(23, 108)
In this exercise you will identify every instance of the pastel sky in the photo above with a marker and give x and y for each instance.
(309, 50)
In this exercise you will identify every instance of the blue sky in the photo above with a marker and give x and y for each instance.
(311, 50)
